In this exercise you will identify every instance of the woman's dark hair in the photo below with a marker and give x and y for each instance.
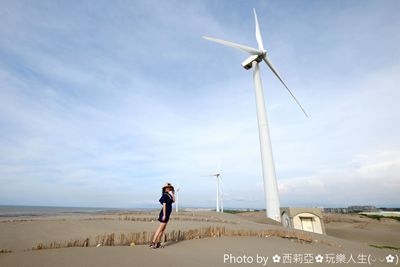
(168, 185)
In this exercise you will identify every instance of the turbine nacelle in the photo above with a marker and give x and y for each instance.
(248, 63)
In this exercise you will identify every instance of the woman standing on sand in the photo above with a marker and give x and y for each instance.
(166, 200)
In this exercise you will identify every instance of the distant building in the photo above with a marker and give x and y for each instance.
(350, 209)
(361, 208)
(336, 210)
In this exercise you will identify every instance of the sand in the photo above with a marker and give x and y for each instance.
(345, 235)
(364, 230)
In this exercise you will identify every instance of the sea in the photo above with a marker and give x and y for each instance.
(22, 211)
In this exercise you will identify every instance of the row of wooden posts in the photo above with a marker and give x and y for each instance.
(141, 238)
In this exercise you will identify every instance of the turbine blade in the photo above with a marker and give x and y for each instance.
(258, 32)
(279, 77)
(244, 48)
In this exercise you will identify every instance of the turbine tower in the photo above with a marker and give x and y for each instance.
(221, 196)
(219, 205)
(268, 168)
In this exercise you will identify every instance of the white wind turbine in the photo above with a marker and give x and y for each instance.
(268, 168)
(219, 204)
(221, 199)
(177, 199)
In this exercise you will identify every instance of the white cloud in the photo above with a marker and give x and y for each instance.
(374, 180)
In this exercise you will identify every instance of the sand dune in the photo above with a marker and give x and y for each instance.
(21, 235)
(364, 230)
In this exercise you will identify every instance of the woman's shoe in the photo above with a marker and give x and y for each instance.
(152, 245)
(158, 245)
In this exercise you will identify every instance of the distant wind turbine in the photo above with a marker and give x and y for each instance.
(268, 168)
(219, 205)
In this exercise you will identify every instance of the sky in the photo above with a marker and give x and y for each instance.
(102, 102)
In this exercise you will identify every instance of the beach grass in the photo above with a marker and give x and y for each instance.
(379, 217)
(385, 247)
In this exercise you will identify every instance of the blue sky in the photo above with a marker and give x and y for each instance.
(103, 102)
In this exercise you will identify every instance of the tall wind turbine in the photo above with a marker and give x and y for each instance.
(268, 168)
(219, 198)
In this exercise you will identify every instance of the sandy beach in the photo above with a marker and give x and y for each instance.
(212, 239)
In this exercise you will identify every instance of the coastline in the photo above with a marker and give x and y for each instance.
(37, 211)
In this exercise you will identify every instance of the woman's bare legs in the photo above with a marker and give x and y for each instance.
(162, 232)
(159, 232)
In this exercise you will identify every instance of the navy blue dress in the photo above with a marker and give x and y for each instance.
(166, 198)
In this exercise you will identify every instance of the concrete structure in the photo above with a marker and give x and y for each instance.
(306, 219)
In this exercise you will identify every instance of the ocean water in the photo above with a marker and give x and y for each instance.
(20, 211)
